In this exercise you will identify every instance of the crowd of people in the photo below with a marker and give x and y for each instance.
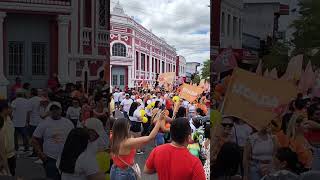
(96, 135)
(287, 148)
(177, 130)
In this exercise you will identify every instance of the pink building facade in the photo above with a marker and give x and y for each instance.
(39, 38)
(137, 55)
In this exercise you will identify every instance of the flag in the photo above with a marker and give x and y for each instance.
(294, 69)
(225, 61)
(190, 93)
(166, 78)
(273, 74)
(255, 99)
(259, 68)
(307, 79)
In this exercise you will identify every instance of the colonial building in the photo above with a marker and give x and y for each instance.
(39, 38)
(137, 55)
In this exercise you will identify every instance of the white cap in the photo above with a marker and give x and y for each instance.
(54, 104)
(139, 101)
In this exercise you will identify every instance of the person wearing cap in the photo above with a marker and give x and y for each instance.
(21, 119)
(49, 138)
(125, 105)
(7, 149)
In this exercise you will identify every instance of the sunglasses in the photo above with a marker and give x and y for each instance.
(227, 125)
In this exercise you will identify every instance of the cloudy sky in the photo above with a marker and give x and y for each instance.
(185, 24)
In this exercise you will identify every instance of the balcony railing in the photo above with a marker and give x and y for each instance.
(86, 36)
(102, 38)
(46, 2)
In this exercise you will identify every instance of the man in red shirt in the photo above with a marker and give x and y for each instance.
(173, 161)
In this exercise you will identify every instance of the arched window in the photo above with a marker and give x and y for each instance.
(119, 49)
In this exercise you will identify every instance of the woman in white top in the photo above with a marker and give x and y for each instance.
(258, 154)
(78, 158)
(74, 112)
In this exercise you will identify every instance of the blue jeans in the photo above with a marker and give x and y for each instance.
(51, 169)
(159, 139)
(316, 159)
(122, 174)
(23, 132)
(255, 170)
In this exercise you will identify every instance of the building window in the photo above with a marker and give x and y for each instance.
(119, 49)
(234, 27)
(222, 23)
(162, 67)
(148, 64)
(39, 59)
(114, 80)
(228, 25)
(239, 28)
(16, 58)
(174, 68)
(143, 62)
(137, 60)
(103, 13)
(152, 65)
(121, 80)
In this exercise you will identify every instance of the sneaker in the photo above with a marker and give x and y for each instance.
(39, 161)
(140, 152)
(33, 156)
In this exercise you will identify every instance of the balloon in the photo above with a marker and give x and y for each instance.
(153, 104)
(149, 106)
(176, 99)
(142, 113)
(144, 119)
(215, 117)
(168, 125)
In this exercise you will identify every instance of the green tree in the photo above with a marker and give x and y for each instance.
(205, 69)
(306, 37)
(277, 58)
(196, 79)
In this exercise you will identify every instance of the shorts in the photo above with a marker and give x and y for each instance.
(135, 126)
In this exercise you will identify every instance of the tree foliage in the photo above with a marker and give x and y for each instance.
(205, 70)
(306, 37)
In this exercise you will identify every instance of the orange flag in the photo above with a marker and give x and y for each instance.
(190, 93)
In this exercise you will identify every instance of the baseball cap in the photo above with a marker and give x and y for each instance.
(54, 105)
(127, 94)
(139, 101)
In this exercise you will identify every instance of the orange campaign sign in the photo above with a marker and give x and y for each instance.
(256, 99)
(167, 78)
(189, 92)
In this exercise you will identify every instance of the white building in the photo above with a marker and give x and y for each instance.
(231, 24)
(192, 67)
(259, 17)
(137, 55)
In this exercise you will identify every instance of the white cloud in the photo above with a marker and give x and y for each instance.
(185, 24)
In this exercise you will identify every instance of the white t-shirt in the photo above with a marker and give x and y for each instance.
(193, 128)
(192, 108)
(85, 166)
(121, 97)
(136, 116)
(133, 97)
(116, 96)
(34, 104)
(54, 134)
(20, 108)
(126, 103)
(74, 113)
(185, 104)
(243, 132)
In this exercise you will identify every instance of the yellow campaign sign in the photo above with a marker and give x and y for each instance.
(189, 92)
(255, 99)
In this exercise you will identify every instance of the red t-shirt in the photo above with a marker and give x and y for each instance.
(172, 163)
